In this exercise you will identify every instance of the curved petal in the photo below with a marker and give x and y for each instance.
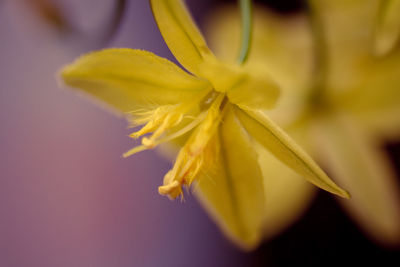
(357, 163)
(128, 79)
(233, 193)
(181, 33)
(287, 194)
(286, 150)
(388, 27)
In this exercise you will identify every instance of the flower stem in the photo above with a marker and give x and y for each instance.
(246, 13)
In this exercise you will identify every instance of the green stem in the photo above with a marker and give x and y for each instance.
(245, 10)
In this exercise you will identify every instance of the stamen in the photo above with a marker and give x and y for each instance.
(169, 122)
(149, 144)
(153, 120)
(173, 189)
(191, 158)
(164, 117)
(185, 129)
(134, 151)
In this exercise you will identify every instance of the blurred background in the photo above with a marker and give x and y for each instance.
(69, 199)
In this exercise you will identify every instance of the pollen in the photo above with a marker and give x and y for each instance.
(197, 154)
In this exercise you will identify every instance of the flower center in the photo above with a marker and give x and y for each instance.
(198, 152)
(166, 123)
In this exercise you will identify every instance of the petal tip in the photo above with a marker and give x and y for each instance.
(62, 76)
(345, 194)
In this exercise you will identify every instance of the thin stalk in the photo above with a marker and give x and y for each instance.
(246, 13)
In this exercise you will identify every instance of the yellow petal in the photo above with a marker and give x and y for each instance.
(129, 80)
(377, 96)
(287, 194)
(255, 90)
(276, 42)
(180, 33)
(388, 27)
(384, 122)
(348, 27)
(379, 88)
(285, 149)
(249, 86)
(358, 163)
(233, 192)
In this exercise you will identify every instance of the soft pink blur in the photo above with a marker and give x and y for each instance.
(67, 197)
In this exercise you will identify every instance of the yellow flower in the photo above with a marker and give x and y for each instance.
(344, 122)
(216, 109)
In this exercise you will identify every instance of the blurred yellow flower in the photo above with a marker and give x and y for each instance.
(218, 107)
(341, 114)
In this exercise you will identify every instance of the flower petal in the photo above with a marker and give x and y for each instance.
(357, 163)
(255, 90)
(249, 86)
(181, 33)
(384, 122)
(388, 27)
(276, 41)
(378, 96)
(233, 193)
(348, 28)
(285, 149)
(130, 79)
(287, 194)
